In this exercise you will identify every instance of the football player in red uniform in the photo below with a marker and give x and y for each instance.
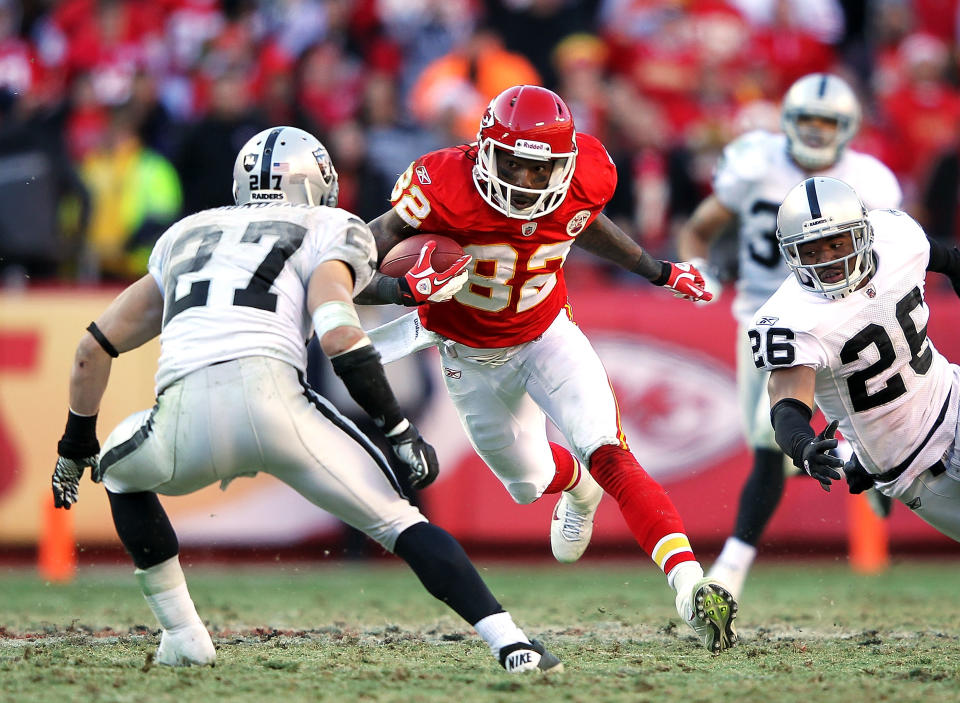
(517, 200)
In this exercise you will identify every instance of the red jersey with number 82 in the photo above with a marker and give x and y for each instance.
(516, 287)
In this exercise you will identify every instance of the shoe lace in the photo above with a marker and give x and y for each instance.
(573, 523)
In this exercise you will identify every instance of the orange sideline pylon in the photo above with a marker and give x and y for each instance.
(57, 549)
(868, 541)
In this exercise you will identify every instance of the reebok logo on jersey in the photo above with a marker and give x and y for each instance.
(452, 373)
(423, 176)
(767, 320)
(577, 223)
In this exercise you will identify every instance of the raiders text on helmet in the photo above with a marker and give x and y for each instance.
(285, 164)
(529, 122)
(819, 95)
(825, 207)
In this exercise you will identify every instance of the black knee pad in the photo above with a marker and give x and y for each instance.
(143, 527)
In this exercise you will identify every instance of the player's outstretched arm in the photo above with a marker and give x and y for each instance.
(791, 402)
(608, 241)
(945, 260)
(133, 318)
(357, 363)
(708, 220)
(694, 237)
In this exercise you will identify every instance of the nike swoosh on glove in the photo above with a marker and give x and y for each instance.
(687, 282)
(422, 284)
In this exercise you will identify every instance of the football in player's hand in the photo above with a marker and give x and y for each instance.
(404, 255)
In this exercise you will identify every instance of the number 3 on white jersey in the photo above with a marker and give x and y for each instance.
(495, 265)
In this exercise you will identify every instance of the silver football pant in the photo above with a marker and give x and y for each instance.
(255, 414)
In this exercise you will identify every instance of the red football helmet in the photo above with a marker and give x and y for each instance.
(532, 123)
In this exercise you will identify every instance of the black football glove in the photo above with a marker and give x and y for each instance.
(417, 456)
(78, 449)
(816, 460)
(858, 478)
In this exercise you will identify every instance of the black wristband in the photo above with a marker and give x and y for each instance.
(362, 374)
(79, 439)
(102, 340)
(80, 427)
(791, 426)
(657, 272)
(396, 291)
(664, 276)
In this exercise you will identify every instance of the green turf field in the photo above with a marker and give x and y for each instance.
(810, 632)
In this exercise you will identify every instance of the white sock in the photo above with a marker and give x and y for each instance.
(682, 577)
(737, 555)
(165, 590)
(585, 490)
(498, 630)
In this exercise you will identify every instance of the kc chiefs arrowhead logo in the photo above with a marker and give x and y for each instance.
(577, 223)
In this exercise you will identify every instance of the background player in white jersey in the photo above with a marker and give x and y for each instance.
(820, 115)
(849, 331)
(234, 293)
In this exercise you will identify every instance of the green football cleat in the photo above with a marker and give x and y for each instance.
(710, 610)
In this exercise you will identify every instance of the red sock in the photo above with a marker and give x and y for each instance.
(567, 470)
(645, 506)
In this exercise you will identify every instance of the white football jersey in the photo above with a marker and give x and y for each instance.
(234, 281)
(752, 177)
(876, 371)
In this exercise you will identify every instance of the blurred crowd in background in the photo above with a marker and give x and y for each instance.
(119, 116)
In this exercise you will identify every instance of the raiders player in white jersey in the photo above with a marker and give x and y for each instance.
(234, 293)
(849, 332)
(820, 115)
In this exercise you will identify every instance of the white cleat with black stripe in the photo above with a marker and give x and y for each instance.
(529, 656)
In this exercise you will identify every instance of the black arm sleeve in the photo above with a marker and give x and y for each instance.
(943, 259)
(362, 374)
(657, 272)
(791, 426)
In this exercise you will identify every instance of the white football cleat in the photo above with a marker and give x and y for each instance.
(710, 609)
(572, 525)
(186, 646)
(533, 656)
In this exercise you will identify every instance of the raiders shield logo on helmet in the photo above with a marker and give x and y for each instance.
(249, 161)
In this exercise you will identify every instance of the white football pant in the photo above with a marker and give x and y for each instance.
(503, 397)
